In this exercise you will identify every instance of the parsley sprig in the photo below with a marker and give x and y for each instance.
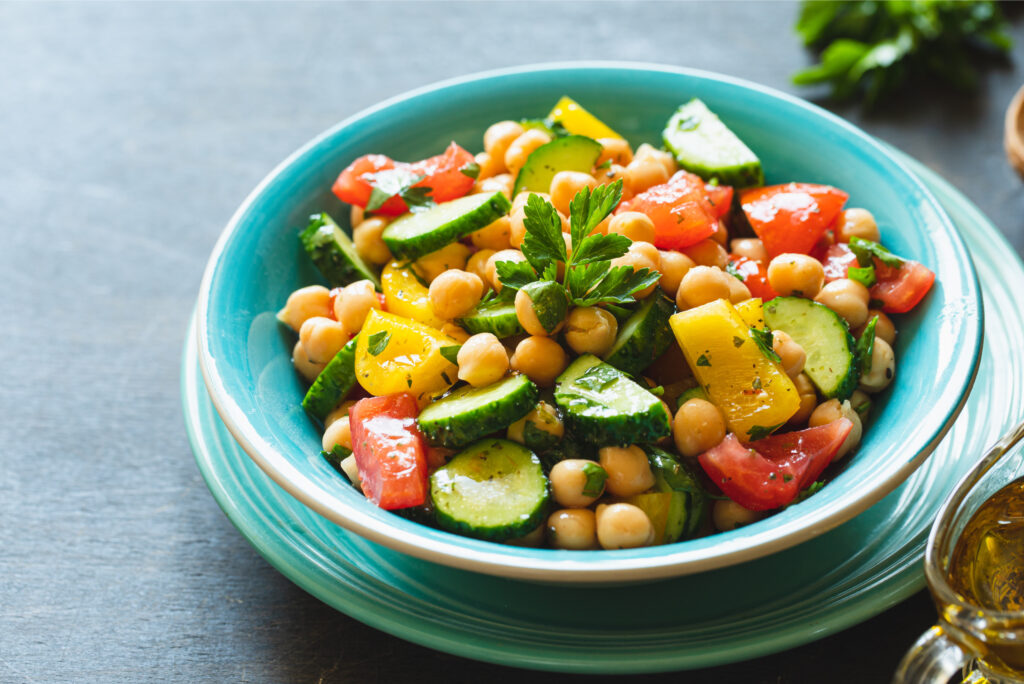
(398, 182)
(589, 276)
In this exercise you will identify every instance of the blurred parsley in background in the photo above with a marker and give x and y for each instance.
(871, 47)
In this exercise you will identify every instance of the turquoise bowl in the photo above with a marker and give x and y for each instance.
(245, 354)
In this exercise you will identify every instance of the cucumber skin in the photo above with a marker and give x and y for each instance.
(333, 384)
(511, 530)
(744, 175)
(848, 383)
(458, 431)
(337, 267)
(525, 179)
(649, 340)
(672, 475)
(499, 319)
(619, 429)
(456, 229)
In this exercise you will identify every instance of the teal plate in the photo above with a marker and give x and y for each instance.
(764, 606)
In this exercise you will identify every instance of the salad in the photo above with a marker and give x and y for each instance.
(566, 341)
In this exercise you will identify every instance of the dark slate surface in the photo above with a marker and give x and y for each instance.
(128, 135)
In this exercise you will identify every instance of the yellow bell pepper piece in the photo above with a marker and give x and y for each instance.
(406, 296)
(753, 392)
(396, 354)
(579, 121)
(752, 312)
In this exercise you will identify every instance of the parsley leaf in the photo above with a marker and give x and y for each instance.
(451, 352)
(397, 182)
(731, 269)
(865, 249)
(595, 478)
(515, 274)
(865, 275)
(702, 360)
(543, 244)
(614, 286)
(587, 209)
(378, 342)
(763, 340)
(471, 169)
(865, 347)
(761, 431)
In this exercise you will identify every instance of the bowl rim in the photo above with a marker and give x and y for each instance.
(545, 564)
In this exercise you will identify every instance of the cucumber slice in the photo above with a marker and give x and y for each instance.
(689, 500)
(497, 317)
(571, 153)
(644, 336)
(333, 384)
(825, 338)
(469, 413)
(413, 235)
(604, 407)
(494, 489)
(334, 254)
(704, 145)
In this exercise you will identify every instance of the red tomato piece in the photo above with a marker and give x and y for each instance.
(791, 218)
(837, 261)
(390, 450)
(442, 174)
(720, 197)
(682, 212)
(755, 277)
(900, 289)
(770, 472)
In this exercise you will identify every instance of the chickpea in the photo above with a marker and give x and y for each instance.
(489, 166)
(570, 479)
(499, 136)
(623, 526)
(615, 149)
(455, 292)
(368, 242)
(848, 298)
(751, 248)
(707, 253)
(641, 255)
(884, 328)
(351, 470)
(728, 515)
(883, 368)
(451, 256)
(610, 175)
(697, 427)
(629, 471)
(738, 291)
(307, 368)
(544, 418)
(522, 147)
(674, 266)
(338, 432)
(482, 360)
(353, 304)
(341, 411)
(703, 284)
(305, 303)
(495, 235)
(721, 235)
(856, 223)
(503, 182)
(540, 358)
(635, 225)
(356, 215)
(641, 174)
(523, 197)
(861, 403)
(832, 410)
(477, 265)
(492, 269)
(808, 399)
(792, 354)
(796, 275)
(591, 330)
(566, 184)
(455, 331)
(322, 338)
(573, 528)
(528, 318)
(648, 151)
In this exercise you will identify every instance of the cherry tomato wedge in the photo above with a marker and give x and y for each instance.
(443, 174)
(682, 210)
(791, 218)
(901, 289)
(770, 472)
(390, 450)
(755, 277)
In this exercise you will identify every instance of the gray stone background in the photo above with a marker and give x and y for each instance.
(128, 135)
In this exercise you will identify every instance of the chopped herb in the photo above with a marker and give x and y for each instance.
(757, 383)
(451, 352)
(444, 376)
(737, 341)
(865, 346)
(786, 477)
(658, 391)
(398, 182)
(408, 382)
(760, 431)
(763, 340)
(471, 169)
(702, 360)
(606, 164)
(731, 269)
(598, 378)
(865, 275)
(771, 476)
(865, 249)
(596, 476)
(378, 342)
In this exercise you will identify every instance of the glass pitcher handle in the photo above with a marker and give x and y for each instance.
(933, 659)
